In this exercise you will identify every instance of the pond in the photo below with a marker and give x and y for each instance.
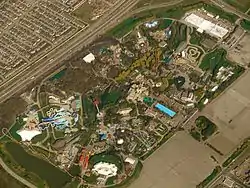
(47, 172)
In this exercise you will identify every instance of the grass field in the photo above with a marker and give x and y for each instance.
(109, 158)
(214, 60)
(84, 12)
(52, 175)
(215, 172)
(7, 181)
(242, 5)
(125, 27)
(245, 24)
(218, 11)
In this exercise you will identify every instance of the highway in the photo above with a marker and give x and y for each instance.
(57, 56)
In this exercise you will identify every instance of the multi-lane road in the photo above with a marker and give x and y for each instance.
(56, 57)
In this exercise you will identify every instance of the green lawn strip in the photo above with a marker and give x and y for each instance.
(236, 153)
(206, 181)
(18, 125)
(125, 27)
(241, 5)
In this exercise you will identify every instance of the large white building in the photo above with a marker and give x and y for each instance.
(89, 58)
(204, 25)
(27, 135)
(105, 169)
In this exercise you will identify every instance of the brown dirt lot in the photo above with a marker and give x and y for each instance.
(181, 162)
(231, 113)
(241, 53)
(9, 109)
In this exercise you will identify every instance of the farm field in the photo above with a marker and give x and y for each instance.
(174, 166)
(230, 112)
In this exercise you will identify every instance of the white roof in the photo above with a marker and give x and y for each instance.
(207, 26)
(106, 169)
(27, 135)
(130, 160)
(89, 58)
(120, 141)
(206, 101)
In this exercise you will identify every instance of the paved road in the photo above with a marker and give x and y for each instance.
(226, 171)
(56, 57)
(17, 177)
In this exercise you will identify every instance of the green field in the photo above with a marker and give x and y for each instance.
(47, 172)
(245, 24)
(110, 97)
(196, 38)
(89, 110)
(214, 60)
(242, 5)
(236, 153)
(43, 99)
(125, 27)
(18, 125)
(109, 158)
(206, 181)
(218, 11)
(58, 75)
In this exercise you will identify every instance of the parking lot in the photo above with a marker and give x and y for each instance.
(231, 113)
(29, 29)
(181, 162)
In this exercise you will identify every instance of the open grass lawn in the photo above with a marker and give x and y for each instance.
(125, 27)
(214, 60)
(241, 5)
(9, 110)
(245, 24)
(7, 181)
(218, 11)
(18, 125)
(178, 35)
(44, 170)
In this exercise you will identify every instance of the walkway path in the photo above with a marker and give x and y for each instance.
(17, 177)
